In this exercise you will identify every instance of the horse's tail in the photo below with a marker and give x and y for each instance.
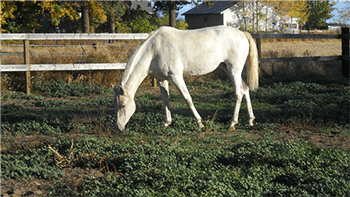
(252, 60)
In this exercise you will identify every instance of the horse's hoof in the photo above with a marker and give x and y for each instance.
(201, 125)
(167, 124)
(251, 121)
(231, 128)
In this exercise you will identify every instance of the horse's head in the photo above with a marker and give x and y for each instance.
(124, 107)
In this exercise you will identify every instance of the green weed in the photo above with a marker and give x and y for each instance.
(181, 160)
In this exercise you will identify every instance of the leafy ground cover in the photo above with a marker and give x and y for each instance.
(61, 142)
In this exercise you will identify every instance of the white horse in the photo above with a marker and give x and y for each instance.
(171, 54)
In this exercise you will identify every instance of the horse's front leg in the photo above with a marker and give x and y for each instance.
(181, 86)
(164, 90)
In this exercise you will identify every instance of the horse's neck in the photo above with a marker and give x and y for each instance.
(133, 81)
(138, 67)
(136, 72)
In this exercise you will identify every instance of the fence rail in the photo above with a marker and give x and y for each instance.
(345, 47)
(74, 36)
(62, 67)
(301, 36)
(28, 67)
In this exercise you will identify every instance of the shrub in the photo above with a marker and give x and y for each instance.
(62, 89)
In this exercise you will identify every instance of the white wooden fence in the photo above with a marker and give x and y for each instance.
(67, 36)
(28, 67)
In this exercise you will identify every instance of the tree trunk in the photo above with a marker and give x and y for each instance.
(85, 17)
(172, 13)
(112, 19)
(244, 17)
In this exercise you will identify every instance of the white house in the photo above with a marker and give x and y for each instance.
(240, 15)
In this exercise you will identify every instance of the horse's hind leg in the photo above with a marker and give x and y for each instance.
(181, 86)
(164, 90)
(249, 104)
(241, 89)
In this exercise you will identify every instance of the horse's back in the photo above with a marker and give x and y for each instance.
(209, 36)
(197, 52)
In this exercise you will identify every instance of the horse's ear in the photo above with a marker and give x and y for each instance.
(121, 90)
(114, 88)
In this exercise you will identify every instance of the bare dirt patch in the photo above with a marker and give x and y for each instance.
(323, 140)
(74, 177)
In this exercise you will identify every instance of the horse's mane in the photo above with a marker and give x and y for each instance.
(134, 55)
(136, 50)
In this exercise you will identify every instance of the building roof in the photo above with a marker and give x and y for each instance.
(217, 8)
(144, 6)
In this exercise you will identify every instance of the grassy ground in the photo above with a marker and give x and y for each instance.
(60, 141)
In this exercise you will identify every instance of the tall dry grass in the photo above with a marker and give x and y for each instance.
(56, 53)
(290, 40)
(49, 52)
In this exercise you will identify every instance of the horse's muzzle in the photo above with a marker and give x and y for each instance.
(118, 127)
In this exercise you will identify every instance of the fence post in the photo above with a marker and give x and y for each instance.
(27, 62)
(154, 82)
(345, 51)
(258, 46)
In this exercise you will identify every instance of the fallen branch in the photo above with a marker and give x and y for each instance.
(62, 160)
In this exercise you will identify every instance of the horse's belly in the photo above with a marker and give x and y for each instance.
(201, 65)
(198, 69)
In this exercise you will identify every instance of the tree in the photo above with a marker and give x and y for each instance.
(320, 11)
(113, 11)
(172, 13)
(93, 14)
(23, 16)
(251, 13)
(258, 15)
(85, 17)
(97, 14)
(170, 6)
(289, 9)
(285, 11)
(344, 14)
(164, 21)
(137, 20)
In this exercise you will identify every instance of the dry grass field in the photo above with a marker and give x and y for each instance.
(308, 48)
(66, 53)
(299, 70)
(48, 52)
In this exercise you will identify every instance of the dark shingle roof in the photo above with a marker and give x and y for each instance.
(218, 7)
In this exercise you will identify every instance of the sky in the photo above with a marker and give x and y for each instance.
(340, 4)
